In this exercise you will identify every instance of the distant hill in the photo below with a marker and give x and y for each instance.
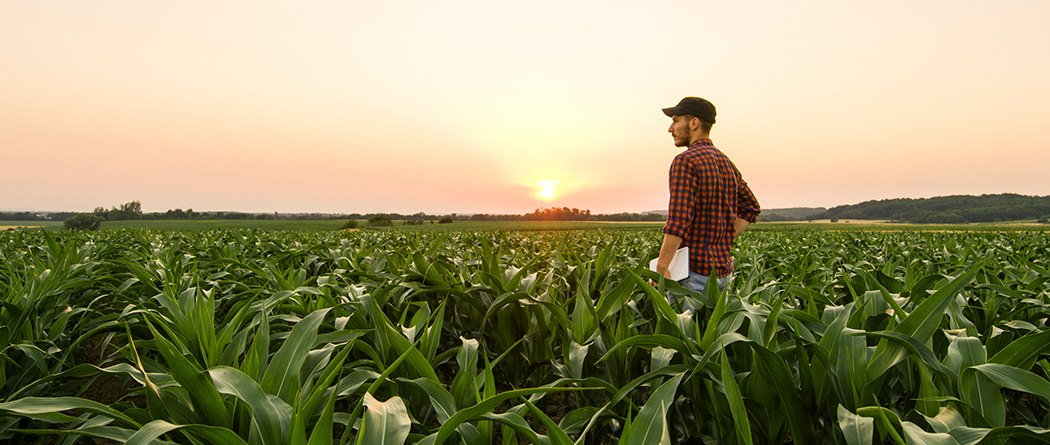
(789, 214)
(946, 209)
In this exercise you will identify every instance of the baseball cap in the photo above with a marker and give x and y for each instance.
(693, 106)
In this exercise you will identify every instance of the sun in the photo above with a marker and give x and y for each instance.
(547, 188)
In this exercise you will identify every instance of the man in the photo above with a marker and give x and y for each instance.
(710, 202)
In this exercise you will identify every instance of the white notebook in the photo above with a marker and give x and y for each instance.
(679, 266)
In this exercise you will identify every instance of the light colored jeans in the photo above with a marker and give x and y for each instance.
(698, 282)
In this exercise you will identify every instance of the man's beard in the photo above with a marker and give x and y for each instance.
(680, 140)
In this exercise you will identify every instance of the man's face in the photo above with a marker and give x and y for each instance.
(679, 131)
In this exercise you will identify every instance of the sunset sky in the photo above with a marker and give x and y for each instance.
(482, 106)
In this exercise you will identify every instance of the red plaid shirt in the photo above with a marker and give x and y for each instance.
(707, 196)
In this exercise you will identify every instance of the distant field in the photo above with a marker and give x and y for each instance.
(325, 225)
(519, 225)
(328, 225)
(193, 224)
(14, 225)
(2, 227)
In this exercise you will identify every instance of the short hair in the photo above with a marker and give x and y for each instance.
(705, 126)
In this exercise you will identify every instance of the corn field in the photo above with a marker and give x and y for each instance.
(272, 337)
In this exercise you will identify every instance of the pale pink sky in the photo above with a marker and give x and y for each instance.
(464, 106)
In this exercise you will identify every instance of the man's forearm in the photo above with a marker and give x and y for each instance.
(740, 226)
(667, 250)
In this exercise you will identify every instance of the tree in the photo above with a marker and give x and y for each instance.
(128, 210)
(83, 221)
(133, 207)
(380, 219)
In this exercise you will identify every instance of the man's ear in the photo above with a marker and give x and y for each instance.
(694, 123)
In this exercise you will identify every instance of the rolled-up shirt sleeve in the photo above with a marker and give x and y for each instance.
(683, 187)
(747, 207)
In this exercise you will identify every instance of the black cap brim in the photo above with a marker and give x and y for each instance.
(674, 111)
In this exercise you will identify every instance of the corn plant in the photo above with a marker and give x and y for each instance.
(257, 337)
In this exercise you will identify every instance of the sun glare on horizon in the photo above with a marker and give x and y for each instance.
(547, 189)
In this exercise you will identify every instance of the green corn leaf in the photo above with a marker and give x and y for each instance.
(711, 332)
(848, 358)
(465, 384)
(411, 353)
(432, 336)
(282, 374)
(610, 302)
(205, 399)
(576, 420)
(255, 364)
(663, 308)
(488, 390)
(154, 398)
(313, 397)
(399, 344)
(384, 423)
(577, 357)
(964, 352)
(772, 322)
(857, 430)
(556, 435)
(946, 420)
(919, 324)
(322, 433)
(810, 295)
(584, 323)
(651, 341)
(889, 421)
(1023, 352)
(736, 402)
(115, 434)
(776, 371)
(971, 436)
(212, 434)
(271, 416)
(440, 399)
(49, 409)
(918, 349)
(1014, 378)
(1018, 434)
(917, 436)
(516, 424)
(981, 393)
(477, 412)
(650, 426)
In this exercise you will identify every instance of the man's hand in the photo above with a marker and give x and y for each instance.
(665, 272)
(667, 250)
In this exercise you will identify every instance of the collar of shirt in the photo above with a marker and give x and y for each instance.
(702, 142)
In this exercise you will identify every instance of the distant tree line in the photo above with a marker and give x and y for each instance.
(774, 217)
(567, 214)
(789, 214)
(133, 211)
(33, 216)
(956, 209)
(938, 210)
